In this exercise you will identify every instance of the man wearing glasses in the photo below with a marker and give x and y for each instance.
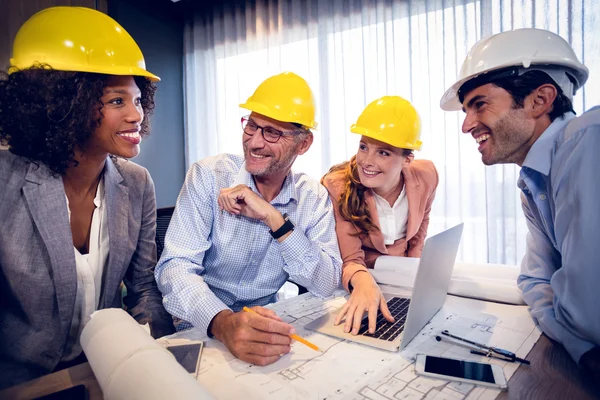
(243, 225)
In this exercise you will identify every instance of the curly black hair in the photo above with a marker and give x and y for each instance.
(45, 113)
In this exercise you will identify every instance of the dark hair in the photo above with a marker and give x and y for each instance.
(521, 86)
(352, 205)
(45, 114)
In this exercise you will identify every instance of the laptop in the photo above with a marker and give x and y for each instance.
(411, 315)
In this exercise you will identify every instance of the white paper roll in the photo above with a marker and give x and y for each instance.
(493, 282)
(129, 364)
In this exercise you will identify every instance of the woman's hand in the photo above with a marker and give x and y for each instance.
(366, 296)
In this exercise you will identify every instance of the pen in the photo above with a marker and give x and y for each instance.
(508, 355)
(293, 336)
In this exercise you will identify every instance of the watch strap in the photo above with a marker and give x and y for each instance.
(285, 228)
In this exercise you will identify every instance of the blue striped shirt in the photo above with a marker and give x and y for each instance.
(560, 272)
(214, 261)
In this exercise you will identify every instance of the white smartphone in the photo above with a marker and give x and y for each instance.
(451, 369)
(188, 355)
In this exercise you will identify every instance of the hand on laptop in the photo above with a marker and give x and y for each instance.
(366, 296)
(260, 338)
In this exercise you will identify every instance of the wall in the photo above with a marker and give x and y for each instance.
(159, 33)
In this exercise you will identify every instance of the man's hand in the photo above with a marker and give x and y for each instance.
(241, 200)
(366, 296)
(259, 339)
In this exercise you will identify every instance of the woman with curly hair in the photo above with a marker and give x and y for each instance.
(77, 217)
(381, 198)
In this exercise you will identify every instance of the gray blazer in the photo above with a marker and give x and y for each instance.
(37, 264)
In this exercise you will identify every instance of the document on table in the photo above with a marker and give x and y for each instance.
(348, 370)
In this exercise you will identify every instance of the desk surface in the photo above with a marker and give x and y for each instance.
(551, 375)
(77, 375)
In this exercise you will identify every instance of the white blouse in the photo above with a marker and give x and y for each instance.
(392, 220)
(90, 269)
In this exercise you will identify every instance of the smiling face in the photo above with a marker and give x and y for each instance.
(122, 115)
(264, 159)
(379, 165)
(504, 133)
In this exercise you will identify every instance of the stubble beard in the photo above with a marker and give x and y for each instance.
(509, 136)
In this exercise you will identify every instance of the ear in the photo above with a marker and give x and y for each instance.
(305, 144)
(408, 159)
(542, 100)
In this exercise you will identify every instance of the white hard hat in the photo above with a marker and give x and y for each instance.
(529, 49)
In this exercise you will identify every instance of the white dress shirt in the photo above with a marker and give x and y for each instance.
(90, 268)
(392, 220)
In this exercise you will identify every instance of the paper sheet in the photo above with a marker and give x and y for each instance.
(494, 282)
(348, 370)
(129, 364)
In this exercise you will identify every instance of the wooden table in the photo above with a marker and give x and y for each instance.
(77, 375)
(551, 375)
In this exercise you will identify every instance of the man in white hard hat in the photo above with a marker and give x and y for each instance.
(516, 90)
(245, 224)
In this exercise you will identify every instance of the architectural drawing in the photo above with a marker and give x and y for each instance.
(348, 370)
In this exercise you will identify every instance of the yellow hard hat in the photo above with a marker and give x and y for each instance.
(392, 120)
(285, 97)
(77, 39)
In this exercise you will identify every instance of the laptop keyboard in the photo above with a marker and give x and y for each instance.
(389, 331)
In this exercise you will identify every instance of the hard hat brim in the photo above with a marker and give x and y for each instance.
(271, 113)
(378, 136)
(134, 71)
(450, 102)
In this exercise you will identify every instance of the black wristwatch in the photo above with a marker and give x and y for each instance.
(287, 226)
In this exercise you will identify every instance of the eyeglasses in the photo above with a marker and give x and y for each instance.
(269, 133)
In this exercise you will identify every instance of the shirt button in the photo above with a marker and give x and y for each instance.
(542, 197)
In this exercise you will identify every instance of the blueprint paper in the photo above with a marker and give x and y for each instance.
(348, 370)
(129, 364)
(494, 282)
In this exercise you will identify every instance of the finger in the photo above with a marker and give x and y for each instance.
(385, 310)
(349, 317)
(265, 312)
(342, 313)
(231, 206)
(258, 360)
(229, 202)
(270, 325)
(358, 314)
(270, 338)
(268, 350)
(372, 318)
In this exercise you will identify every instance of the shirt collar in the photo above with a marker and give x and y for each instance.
(288, 191)
(98, 199)
(538, 157)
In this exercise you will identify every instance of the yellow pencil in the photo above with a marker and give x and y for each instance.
(293, 336)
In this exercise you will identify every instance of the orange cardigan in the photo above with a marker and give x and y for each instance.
(360, 252)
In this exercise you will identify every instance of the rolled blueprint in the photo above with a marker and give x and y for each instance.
(492, 282)
(129, 364)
